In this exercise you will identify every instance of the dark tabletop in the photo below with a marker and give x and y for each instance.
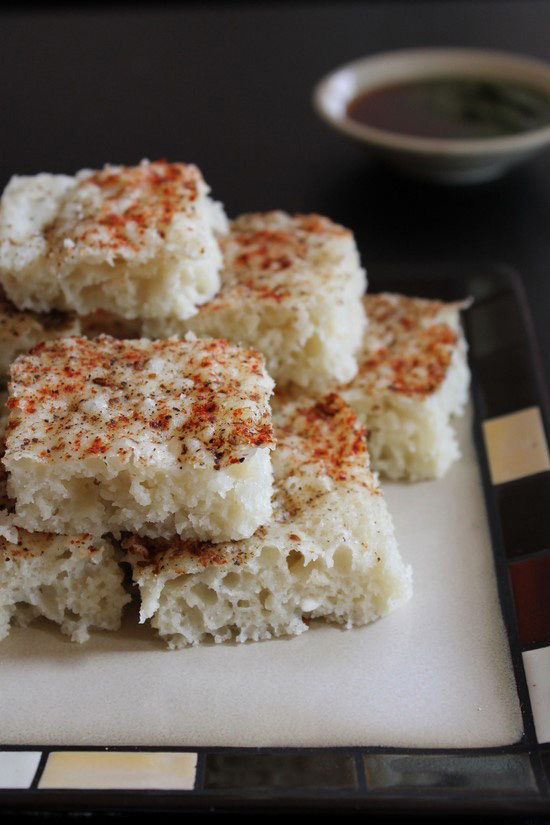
(229, 88)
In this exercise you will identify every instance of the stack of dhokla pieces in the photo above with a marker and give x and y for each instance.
(109, 437)
(161, 452)
(167, 445)
(106, 437)
(329, 550)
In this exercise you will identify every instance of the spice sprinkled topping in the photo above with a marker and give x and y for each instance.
(199, 401)
(321, 450)
(271, 256)
(137, 241)
(121, 209)
(408, 346)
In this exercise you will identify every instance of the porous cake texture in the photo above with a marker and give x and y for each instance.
(160, 438)
(291, 288)
(139, 241)
(413, 376)
(21, 330)
(329, 551)
(73, 581)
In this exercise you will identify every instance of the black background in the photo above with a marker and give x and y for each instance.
(229, 88)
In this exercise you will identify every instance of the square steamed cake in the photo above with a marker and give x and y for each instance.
(413, 376)
(138, 241)
(291, 288)
(329, 551)
(160, 438)
(21, 330)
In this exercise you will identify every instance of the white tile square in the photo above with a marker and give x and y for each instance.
(17, 768)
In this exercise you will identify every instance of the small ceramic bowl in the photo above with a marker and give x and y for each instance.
(460, 161)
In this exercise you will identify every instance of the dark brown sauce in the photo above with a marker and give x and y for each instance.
(453, 108)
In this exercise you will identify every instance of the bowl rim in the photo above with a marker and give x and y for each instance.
(497, 63)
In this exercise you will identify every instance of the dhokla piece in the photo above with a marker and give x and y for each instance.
(159, 438)
(21, 330)
(413, 376)
(139, 241)
(71, 580)
(291, 288)
(329, 551)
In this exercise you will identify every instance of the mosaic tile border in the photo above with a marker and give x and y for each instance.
(513, 430)
(508, 780)
(490, 780)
